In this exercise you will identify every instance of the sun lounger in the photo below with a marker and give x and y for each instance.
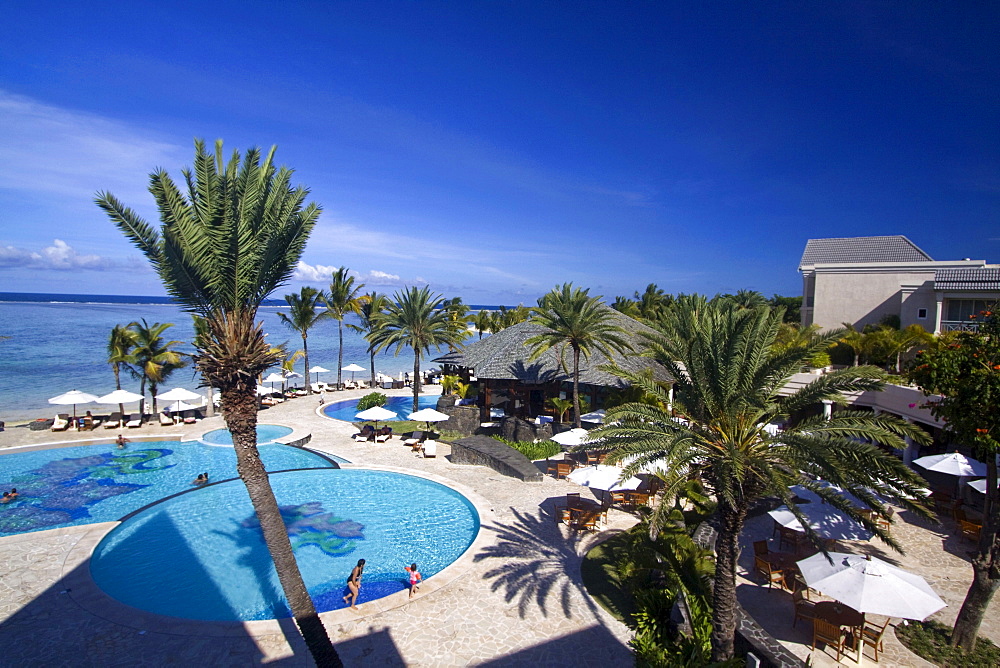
(382, 438)
(430, 449)
(60, 423)
(89, 423)
(134, 421)
(114, 421)
(166, 420)
(415, 438)
(190, 417)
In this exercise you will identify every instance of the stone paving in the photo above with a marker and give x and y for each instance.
(517, 598)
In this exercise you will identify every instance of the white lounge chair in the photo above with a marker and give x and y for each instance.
(416, 438)
(166, 420)
(114, 421)
(430, 448)
(60, 423)
(134, 421)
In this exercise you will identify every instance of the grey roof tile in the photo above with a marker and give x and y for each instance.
(895, 248)
(981, 279)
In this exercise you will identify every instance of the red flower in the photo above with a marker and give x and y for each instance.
(913, 405)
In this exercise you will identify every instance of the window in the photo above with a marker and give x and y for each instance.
(960, 309)
(921, 314)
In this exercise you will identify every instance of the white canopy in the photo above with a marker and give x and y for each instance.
(119, 397)
(824, 519)
(318, 369)
(274, 377)
(375, 413)
(952, 463)
(178, 394)
(73, 397)
(871, 585)
(594, 416)
(601, 476)
(979, 485)
(428, 415)
(352, 367)
(571, 438)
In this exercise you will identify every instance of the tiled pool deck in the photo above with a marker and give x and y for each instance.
(514, 599)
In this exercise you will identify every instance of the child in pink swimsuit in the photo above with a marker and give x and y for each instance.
(414, 577)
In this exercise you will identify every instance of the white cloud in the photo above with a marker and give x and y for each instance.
(320, 273)
(59, 255)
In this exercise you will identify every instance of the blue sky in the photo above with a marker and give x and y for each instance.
(495, 149)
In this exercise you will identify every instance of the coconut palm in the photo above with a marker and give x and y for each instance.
(573, 320)
(729, 383)
(302, 316)
(341, 300)
(234, 237)
(417, 319)
(652, 302)
(482, 322)
(368, 308)
(121, 341)
(153, 358)
(458, 318)
(627, 306)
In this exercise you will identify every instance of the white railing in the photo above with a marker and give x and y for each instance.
(958, 326)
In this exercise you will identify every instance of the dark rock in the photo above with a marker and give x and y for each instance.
(486, 451)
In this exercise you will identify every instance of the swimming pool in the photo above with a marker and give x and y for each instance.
(402, 406)
(100, 483)
(266, 433)
(203, 555)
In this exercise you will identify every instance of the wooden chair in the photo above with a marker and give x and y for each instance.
(871, 636)
(958, 515)
(565, 512)
(829, 634)
(789, 537)
(585, 520)
(760, 548)
(804, 608)
(773, 577)
(970, 530)
(798, 584)
(562, 468)
(637, 498)
(617, 497)
(885, 522)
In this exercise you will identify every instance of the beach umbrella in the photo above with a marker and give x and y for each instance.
(571, 438)
(824, 519)
(979, 485)
(120, 397)
(428, 415)
(262, 391)
(952, 463)
(594, 416)
(352, 368)
(375, 413)
(73, 397)
(871, 585)
(273, 378)
(601, 476)
(177, 395)
(318, 370)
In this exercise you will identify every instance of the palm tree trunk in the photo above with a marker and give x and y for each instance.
(724, 602)
(340, 352)
(118, 385)
(577, 422)
(371, 354)
(305, 357)
(142, 403)
(416, 381)
(152, 393)
(240, 412)
(985, 568)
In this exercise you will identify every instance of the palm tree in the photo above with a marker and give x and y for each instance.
(154, 358)
(224, 246)
(858, 342)
(729, 380)
(368, 308)
(482, 322)
(458, 318)
(894, 343)
(301, 317)
(341, 300)
(627, 306)
(417, 319)
(652, 302)
(573, 320)
(120, 344)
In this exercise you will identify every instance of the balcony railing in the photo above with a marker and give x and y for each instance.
(959, 326)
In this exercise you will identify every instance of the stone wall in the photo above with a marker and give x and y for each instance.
(486, 451)
(516, 429)
(463, 419)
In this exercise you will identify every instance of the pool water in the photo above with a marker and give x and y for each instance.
(100, 483)
(266, 433)
(401, 406)
(201, 555)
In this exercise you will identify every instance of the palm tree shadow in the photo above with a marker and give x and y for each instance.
(537, 563)
(532, 373)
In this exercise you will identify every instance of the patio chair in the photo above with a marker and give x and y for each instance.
(828, 634)
(561, 467)
(789, 537)
(114, 421)
(773, 576)
(383, 436)
(585, 520)
(617, 497)
(885, 522)
(804, 608)
(970, 530)
(760, 548)
(871, 636)
(563, 512)
(430, 449)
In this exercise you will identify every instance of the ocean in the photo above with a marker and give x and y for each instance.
(58, 343)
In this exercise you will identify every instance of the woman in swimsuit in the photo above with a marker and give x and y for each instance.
(354, 584)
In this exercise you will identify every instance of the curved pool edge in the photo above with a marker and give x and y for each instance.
(88, 595)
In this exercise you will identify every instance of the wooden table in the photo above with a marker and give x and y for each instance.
(842, 615)
(782, 561)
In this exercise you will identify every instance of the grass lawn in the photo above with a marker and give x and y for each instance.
(930, 640)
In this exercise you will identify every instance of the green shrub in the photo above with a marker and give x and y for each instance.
(532, 450)
(931, 641)
(370, 400)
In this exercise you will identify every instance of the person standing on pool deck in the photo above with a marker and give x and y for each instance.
(354, 584)
(414, 577)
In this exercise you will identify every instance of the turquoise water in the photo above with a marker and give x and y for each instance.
(56, 347)
(100, 483)
(401, 406)
(204, 557)
(266, 433)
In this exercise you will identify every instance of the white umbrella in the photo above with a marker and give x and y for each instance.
(594, 416)
(824, 519)
(274, 377)
(262, 391)
(352, 368)
(952, 463)
(571, 438)
(871, 585)
(603, 477)
(177, 395)
(318, 370)
(120, 397)
(428, 415)
(73, 397)
(979, 485)
(375, 413)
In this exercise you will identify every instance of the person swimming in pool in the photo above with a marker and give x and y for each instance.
(201, 479)
(415, 577)
(354, 584)
(7, 498)
(121, 441)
